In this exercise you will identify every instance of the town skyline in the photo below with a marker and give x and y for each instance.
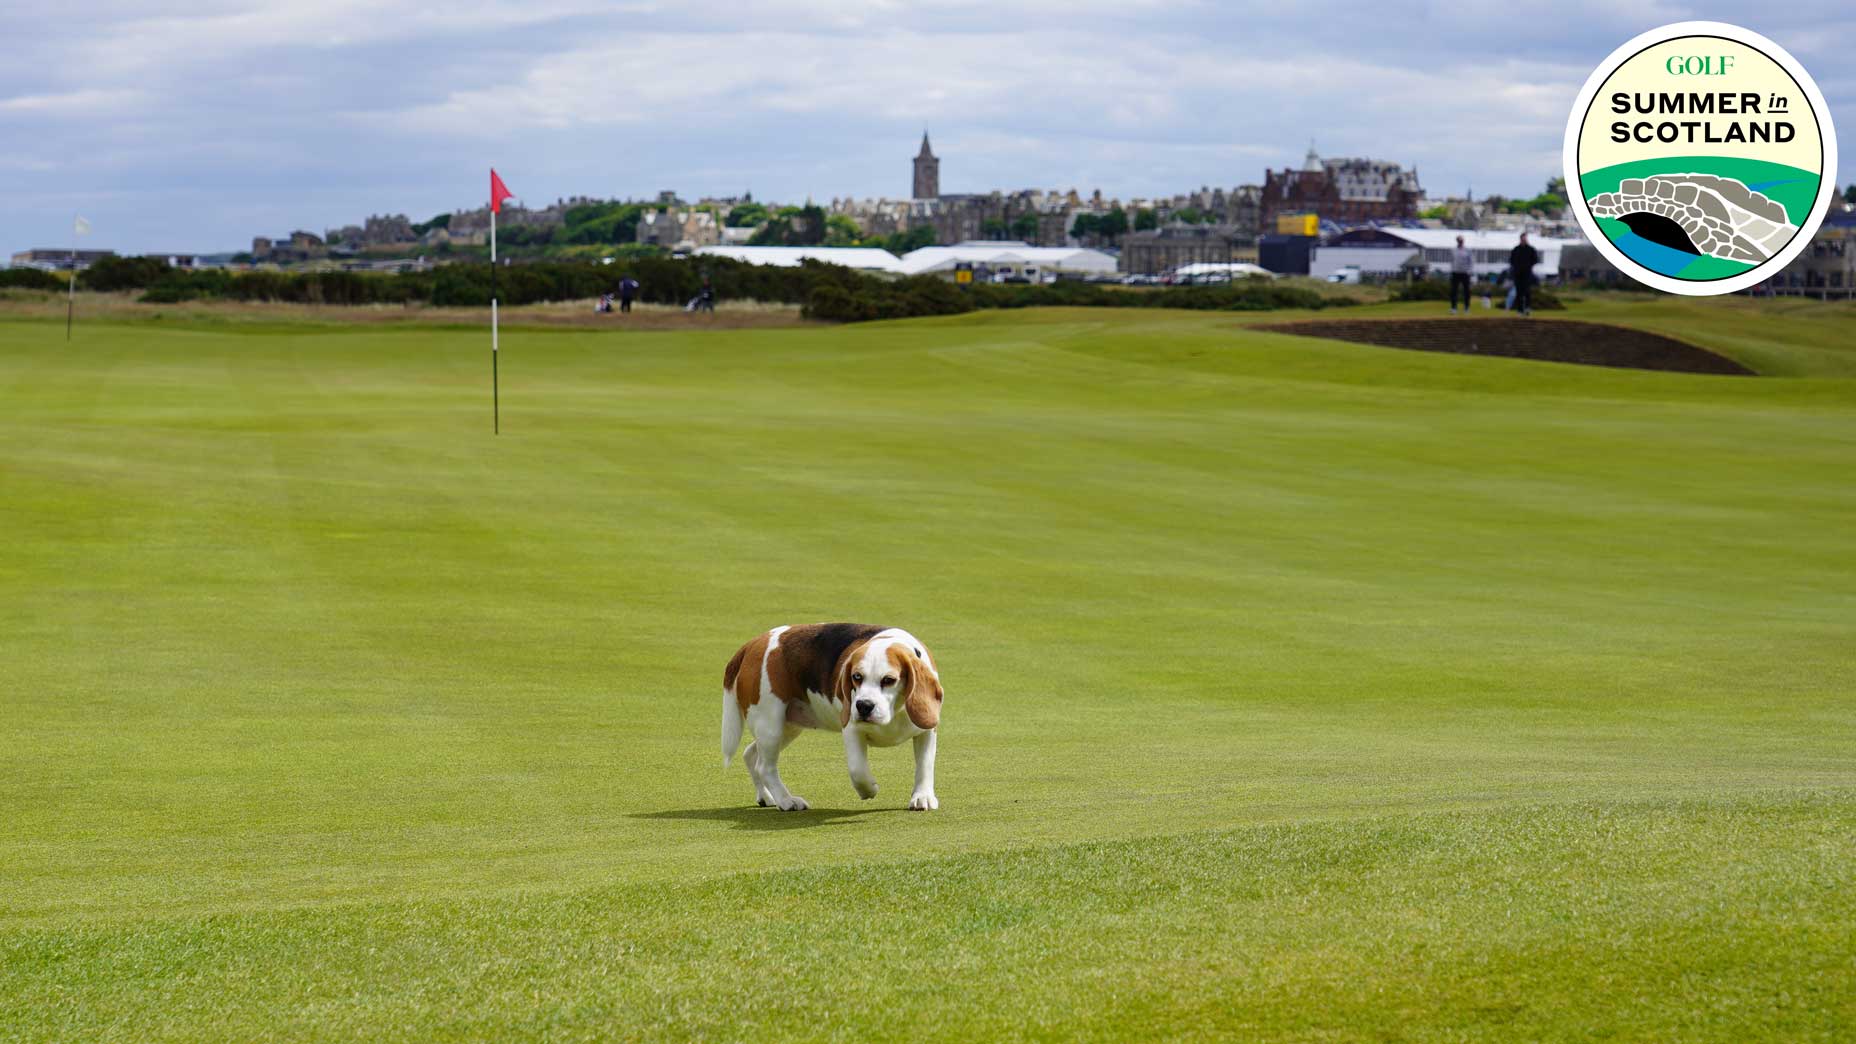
(195, 127)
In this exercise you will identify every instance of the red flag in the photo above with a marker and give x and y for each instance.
(498, 192)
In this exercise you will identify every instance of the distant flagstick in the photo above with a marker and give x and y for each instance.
(78, 228)
(496, 398)
(498, 193)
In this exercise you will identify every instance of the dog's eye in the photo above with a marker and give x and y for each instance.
(887, 682)
(857, 679)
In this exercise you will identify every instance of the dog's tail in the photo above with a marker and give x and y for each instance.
(731, 727)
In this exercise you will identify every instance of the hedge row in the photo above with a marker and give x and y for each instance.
(661, 281)
(32, 279)
(1439, 290)
(827, 292)
(855, 300)
(1259, 294)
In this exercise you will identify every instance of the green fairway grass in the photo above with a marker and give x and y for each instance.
(1296, 690)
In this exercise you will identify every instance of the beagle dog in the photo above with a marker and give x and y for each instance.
(875, 685)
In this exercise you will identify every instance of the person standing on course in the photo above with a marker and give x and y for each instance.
(1462, 267)
(628, 289)
(1521, 264)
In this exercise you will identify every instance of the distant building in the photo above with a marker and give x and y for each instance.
(955, 218)
(55, 259)
(1043, 218)
(1386, 253)
(457, 235)
(1030, 214)
(1828, 264)
(472, 227)
(725, 205)
(1341, 191)
(677, 229)
(1038, 217)
(1239, 207)
(301, 246)
(927, 173)
(875, 217)
(1459, 212)
(1171, 246)
(380, 230)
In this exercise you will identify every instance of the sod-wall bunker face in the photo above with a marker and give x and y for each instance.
(1542, 340)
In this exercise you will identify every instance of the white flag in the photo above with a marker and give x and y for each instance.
(81, 227)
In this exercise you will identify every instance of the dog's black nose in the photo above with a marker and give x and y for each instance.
(864, 707)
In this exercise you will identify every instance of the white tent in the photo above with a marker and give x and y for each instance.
(1010, 257)
(1203, 270)
(869, 259)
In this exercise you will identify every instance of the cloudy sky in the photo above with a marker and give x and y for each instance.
(195, 126)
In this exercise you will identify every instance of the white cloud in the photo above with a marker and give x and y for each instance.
(308, 114)
(68, 102)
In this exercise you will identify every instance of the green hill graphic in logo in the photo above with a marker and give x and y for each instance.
(1700, 217)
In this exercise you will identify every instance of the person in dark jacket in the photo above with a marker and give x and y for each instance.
(628, 289)
(1521, 262)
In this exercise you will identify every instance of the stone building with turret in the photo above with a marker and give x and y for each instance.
(1346, 191)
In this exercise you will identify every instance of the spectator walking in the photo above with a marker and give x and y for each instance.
(1521, 263)
(1462, 268)
(628, 289)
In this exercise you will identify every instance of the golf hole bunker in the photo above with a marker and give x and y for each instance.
(1545, 340)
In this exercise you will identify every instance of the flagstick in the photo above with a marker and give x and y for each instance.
(70, 301)
(496, 408)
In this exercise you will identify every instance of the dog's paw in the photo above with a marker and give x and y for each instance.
(866, 788)
(794, 803)
(923, 803)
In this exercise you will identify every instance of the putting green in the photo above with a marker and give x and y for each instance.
(1295, 689)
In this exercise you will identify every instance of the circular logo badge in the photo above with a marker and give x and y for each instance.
(1700, 158)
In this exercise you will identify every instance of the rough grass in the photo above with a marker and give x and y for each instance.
(207, 314)
(1296, 690)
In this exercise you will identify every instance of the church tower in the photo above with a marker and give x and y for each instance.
(927, 172)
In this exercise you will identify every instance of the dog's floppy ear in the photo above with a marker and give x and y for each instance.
(841, 684)
(924, 699)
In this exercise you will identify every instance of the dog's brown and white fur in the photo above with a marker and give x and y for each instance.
(877, 686)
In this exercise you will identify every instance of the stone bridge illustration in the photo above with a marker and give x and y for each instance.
(1699, 214)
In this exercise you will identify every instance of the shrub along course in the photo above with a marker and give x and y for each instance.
(1439, 290)
(31, 279)
(826, 292)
